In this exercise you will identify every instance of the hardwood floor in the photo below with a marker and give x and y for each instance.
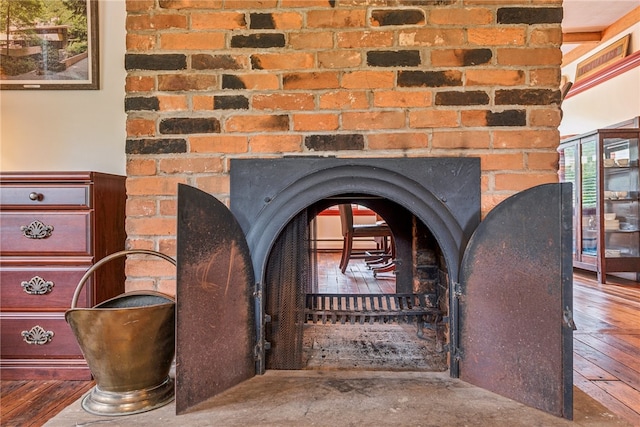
(33, 403)
(606, 345)
(357, 279)
(606, 348)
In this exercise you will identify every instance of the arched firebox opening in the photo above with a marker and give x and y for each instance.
(268, 194)
(314, 325)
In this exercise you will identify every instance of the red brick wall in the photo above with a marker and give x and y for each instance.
(211, 80)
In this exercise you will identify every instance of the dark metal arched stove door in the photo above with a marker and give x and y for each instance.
(515, 301)
(215, 332)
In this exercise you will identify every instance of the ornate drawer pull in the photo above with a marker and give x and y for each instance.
(37, 286)
(37, 336)
(36, 230)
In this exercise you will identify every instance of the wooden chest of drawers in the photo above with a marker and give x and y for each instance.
(53, 227)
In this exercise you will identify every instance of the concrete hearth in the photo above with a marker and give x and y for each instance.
(352, 398)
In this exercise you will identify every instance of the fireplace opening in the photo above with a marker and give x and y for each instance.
(388, 310)
(274, 200)
(508, 278)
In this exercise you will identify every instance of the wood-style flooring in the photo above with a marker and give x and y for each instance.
(606, 347)
(33, 403)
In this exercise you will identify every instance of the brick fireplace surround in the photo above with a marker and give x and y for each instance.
(213, 80)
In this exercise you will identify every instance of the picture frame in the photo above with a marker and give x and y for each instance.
(53, 47)
(612, 53)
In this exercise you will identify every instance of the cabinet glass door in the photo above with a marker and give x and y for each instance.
(620, 197)
(567, 173)
(589, 222)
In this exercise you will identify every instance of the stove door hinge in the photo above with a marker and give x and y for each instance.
(259, 349)
(267, 319)
(567, 319)
(257, 291)
(457, 290)
(456, 354)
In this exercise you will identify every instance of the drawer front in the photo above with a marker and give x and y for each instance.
(38, 336)
(43, 195)
(41, 288)
(45, 233)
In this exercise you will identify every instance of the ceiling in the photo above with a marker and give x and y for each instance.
(584, 19)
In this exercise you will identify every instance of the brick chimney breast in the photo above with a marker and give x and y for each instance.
(213, 80)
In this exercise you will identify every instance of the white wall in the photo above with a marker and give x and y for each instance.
(611, 102)
(47, 130)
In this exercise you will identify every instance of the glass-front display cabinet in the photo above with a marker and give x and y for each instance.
(603, 167)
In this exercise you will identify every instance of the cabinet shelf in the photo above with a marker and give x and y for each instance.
(603, 167)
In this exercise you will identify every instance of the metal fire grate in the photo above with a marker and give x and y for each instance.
(371, 308)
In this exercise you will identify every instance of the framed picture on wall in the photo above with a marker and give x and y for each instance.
(49, 44)
(607, 56)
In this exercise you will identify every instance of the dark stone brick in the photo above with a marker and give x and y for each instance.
(260, 40)
(429, 78)
(400, 58)
(398, 16)
(476, 57)
(527, 97)
(262, 21)
(214, 62)
(476, 97)
(156, 146)
(230, 102)
(334, 142)
(155, 62)
(507, 118)
(530, 15)
(186, 125)
(229, 81)
(140, 103)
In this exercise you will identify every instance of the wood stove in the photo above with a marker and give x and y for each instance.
(509, 275)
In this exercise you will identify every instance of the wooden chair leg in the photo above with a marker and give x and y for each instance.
(346, 252)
